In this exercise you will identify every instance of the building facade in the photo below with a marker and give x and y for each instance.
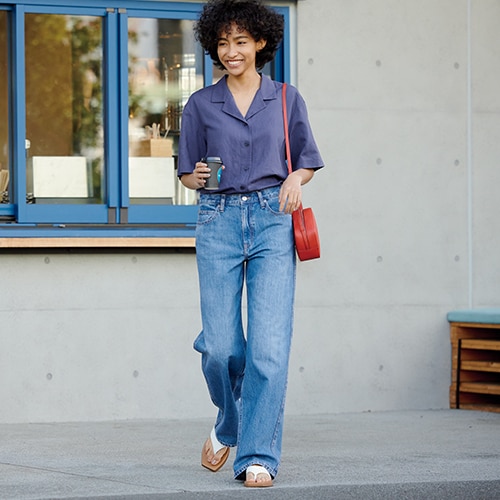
(99, 288)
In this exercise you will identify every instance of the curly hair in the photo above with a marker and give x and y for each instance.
(261, 21)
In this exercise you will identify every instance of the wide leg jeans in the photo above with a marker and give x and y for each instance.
(245, 240)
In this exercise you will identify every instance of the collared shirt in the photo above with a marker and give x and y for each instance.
(252, 148)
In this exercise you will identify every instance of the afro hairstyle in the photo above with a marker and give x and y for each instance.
(261, 21)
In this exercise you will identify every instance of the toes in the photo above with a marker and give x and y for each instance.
(217, 457)
(214, 459)
(209, 453)
(261, 477)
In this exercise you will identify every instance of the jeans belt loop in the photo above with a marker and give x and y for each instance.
(222, 202)
(262, 199)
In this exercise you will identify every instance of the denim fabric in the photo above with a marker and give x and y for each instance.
(245, 239)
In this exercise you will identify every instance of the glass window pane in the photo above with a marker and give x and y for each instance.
(4, 111)
(64, 110)
(165, 68)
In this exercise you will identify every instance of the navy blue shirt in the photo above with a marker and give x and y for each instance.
(252, 148)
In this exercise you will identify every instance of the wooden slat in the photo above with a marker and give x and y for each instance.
(487, 345)
(467, 376)
(479, 355)
(480, 366)
(480, 388)
(481, 331)
(481, 407)
(468, 326)
(97, 242)
(469, 398)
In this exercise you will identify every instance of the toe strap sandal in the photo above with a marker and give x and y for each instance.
(256, 470)
(216, 447)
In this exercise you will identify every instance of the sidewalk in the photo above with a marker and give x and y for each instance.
(390, 455)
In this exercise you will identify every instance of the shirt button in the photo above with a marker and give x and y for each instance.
(246, 144)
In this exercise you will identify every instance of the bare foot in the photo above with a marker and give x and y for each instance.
(212, 458)
(262, 477)
(257, 476)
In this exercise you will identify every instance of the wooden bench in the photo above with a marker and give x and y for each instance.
(475, 368)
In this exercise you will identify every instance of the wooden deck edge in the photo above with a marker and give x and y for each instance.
(111, 242)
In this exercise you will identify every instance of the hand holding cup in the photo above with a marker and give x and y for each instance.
(213, 175)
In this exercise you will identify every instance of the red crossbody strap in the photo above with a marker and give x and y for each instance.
(285, 124)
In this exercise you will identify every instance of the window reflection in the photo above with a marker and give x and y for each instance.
(64, 110)
(165, 68)
(4, 108)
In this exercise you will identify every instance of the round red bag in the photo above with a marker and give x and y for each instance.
(306, 235)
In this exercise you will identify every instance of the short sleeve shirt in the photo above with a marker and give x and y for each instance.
(252, 148)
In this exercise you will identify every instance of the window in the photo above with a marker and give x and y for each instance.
(64, 109)
(89, 131)
(165, 66)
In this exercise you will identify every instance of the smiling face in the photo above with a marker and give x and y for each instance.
(237, 50)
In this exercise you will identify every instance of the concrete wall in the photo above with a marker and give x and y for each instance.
(406, 109)
(404, 100)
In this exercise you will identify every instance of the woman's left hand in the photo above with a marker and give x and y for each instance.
(290, 196)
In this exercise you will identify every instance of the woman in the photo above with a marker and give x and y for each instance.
(244, 232)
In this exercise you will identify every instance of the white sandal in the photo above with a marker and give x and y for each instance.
(216, 447)
(256, 470)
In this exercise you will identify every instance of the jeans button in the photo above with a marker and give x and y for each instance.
(244, 198)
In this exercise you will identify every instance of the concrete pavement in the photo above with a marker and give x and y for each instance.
(388, 455)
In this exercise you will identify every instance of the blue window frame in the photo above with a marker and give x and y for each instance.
(75, 126)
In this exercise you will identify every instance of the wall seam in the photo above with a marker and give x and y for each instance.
(469, 158)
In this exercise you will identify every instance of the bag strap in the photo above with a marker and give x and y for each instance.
(285, 124)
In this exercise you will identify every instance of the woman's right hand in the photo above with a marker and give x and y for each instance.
(198, 178)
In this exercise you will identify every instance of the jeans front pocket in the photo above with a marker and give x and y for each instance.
(272, 205)
(207, 212)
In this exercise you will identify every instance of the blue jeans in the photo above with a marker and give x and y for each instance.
(246, 239)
